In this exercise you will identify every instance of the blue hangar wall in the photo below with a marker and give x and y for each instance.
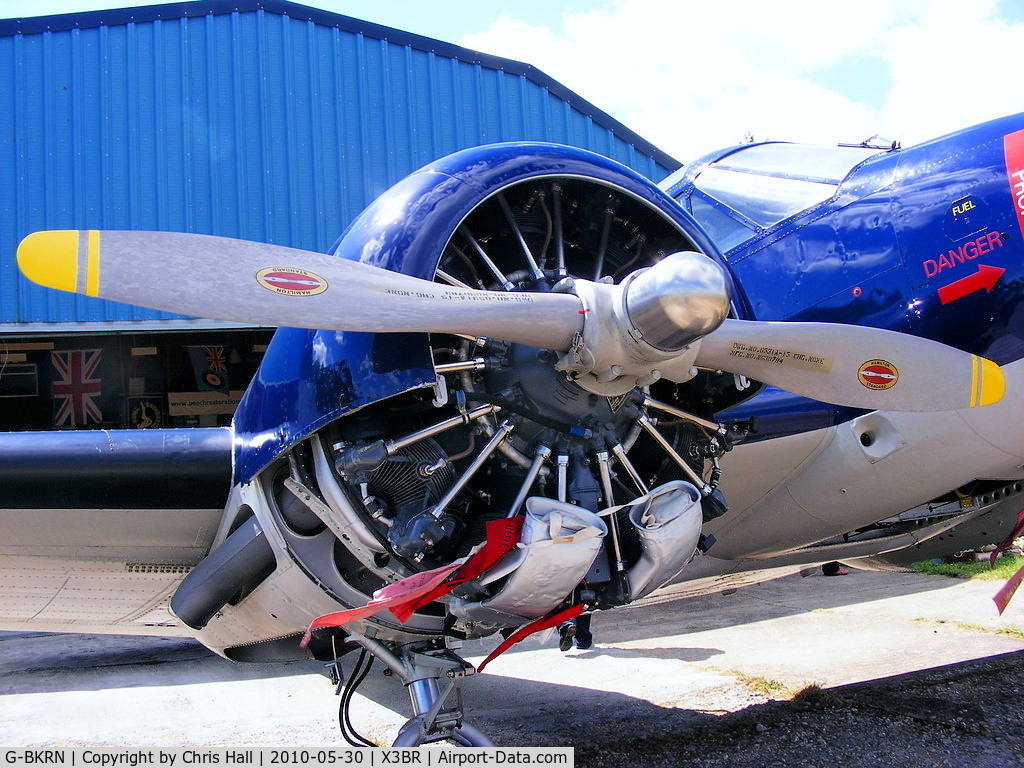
(263, 120)
(256, 119)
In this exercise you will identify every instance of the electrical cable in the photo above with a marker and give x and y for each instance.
(359, 674)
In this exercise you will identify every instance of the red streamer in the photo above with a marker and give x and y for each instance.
(405, 597)
(1005, 594)
(551, 620)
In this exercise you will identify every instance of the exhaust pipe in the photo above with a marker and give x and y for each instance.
(229, 572)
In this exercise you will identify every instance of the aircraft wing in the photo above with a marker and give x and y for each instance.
(100, 527)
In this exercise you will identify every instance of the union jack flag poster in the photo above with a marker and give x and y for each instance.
(211, 368)
(76, 388)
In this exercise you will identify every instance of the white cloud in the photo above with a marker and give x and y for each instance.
(952, 69)
(692, 77)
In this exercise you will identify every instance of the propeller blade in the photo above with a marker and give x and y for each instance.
(256, 283)
(853, 365)
(248, 282)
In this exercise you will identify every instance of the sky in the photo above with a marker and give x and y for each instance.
(692, 77)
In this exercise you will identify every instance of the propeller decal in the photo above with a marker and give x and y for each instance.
(787, 357)
(878, 374)
(291, 281)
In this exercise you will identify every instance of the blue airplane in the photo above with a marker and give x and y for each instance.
(527, 384)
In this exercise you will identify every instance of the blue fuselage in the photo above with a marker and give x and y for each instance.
(926, 240)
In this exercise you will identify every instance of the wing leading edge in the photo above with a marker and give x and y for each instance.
(100, 527)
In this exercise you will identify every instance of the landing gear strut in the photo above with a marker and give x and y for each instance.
(433, 675)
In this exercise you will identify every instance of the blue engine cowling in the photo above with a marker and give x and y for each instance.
(309, 378)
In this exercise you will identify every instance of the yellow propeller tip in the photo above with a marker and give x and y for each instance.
(990, 385)
(67, 260)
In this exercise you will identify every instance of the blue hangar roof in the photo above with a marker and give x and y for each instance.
(258, 119)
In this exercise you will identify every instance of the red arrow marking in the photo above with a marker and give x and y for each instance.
(985, 277)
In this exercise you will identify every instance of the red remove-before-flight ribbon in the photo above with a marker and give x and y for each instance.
(1005, 594)
(551, 620)
(501, 537)
(405, 597)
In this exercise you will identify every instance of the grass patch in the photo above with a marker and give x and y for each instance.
(1014, 632)
(762, 685)
(979, 569)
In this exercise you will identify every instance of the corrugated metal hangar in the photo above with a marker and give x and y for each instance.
(258, 119)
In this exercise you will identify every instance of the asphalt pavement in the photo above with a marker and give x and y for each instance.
(662, 664)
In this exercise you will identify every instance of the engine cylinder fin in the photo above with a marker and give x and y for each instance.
(416, 475)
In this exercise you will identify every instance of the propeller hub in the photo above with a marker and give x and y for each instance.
(631, 331)
(678, 300)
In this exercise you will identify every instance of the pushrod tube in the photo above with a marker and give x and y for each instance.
(503, 431)
(540, 455)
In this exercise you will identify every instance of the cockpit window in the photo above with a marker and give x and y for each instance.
(766, 183)
(798, 161)
(724, 229)
(765, 200)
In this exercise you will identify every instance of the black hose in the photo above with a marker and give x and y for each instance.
(359, 674)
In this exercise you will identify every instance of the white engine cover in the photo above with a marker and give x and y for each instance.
(558, 544)
(668, 521)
